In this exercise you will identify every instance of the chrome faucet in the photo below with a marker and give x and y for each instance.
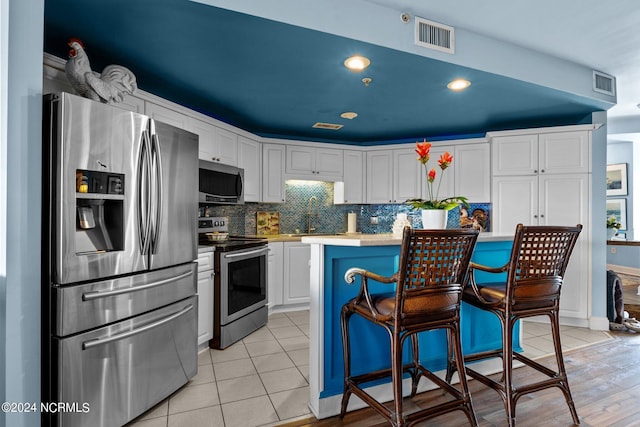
(311, 213)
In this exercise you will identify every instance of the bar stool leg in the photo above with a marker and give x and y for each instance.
(345, 315)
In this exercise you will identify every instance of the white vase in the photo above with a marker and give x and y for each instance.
(434, 219)
(611, 232)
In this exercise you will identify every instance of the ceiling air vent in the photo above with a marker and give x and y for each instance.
(433, 35)
(604, 83)
(330, 126)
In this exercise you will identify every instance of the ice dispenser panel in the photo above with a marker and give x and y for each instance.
(99, 211)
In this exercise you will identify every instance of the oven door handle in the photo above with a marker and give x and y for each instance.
(91, 295)
(241, 254)
(96, 342)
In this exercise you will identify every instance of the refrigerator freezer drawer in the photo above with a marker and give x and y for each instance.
(122, 370)
(87, 306)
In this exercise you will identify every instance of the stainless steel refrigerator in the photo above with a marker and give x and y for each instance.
(119, 277)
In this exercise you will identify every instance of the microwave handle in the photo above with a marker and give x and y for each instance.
(238, 184)
(222, 197)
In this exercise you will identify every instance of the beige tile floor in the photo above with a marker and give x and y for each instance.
(263, 379)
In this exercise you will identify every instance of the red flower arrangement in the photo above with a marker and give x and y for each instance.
(422, 150)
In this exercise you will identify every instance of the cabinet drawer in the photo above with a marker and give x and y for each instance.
(205, 261)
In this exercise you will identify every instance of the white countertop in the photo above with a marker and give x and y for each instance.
(386, 239)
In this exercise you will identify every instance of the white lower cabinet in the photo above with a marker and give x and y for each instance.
(288, 276)
(275, 274)
(296, 273)
(205, 297)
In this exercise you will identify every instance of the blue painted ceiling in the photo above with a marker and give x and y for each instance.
(277, 80)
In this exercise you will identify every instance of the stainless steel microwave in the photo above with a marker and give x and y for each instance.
(220, 184)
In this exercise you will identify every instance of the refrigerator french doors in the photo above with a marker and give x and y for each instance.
(123, 191)
(119, 271)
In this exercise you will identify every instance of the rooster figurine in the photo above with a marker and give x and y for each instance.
(109, 87)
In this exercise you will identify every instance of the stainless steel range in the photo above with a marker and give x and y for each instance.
(240, 282)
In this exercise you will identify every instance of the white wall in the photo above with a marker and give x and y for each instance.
(21, 45)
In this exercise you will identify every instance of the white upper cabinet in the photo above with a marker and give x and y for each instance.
(352, 188)
(167, 115)
(407, 175)
(515, 155)
(216, 144)
(273, 160)
(556, 152)
(564, 152)
(380, 176)
(250, 159)
(314, 163)
(472, 170)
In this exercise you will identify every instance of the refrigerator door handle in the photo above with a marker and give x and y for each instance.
(157, 160)
(91, 295)
(144, 213)
(97, 342)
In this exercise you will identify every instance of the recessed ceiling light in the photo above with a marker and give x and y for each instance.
(357, 63)
(459, 84)
(349, 115)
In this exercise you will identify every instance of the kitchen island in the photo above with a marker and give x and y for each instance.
(331, 257)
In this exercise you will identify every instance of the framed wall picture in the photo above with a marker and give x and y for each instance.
(617, 179)
(618, 208)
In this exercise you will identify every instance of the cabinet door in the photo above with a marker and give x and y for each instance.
(166, 115)
(351, 189)
(564, 152)
(514, 155)
(226, 143)
(329, 163)
(275, 274)
(380, 176)
(301, 160)
(205, 306)
(473, 173)
(273, 158)
(564, 200)
(205, 297)
(296, 273)
(514, 201)
(207, 149)
(250, 159)
(407, 176)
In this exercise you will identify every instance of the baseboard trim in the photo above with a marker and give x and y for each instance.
(599, 323)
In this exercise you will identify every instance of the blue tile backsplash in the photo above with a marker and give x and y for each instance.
(331, 218)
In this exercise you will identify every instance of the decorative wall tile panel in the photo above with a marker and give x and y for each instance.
(331, 219)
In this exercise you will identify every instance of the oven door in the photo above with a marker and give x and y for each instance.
(243, 282)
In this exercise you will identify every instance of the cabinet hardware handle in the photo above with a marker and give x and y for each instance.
(92, 295)
(535, 216)
(535, 171)
(542, 170)
(102, 341)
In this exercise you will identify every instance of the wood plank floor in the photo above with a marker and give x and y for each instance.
(604, 380)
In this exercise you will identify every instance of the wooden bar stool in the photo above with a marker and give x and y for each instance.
(535, 272)
(427, 296)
